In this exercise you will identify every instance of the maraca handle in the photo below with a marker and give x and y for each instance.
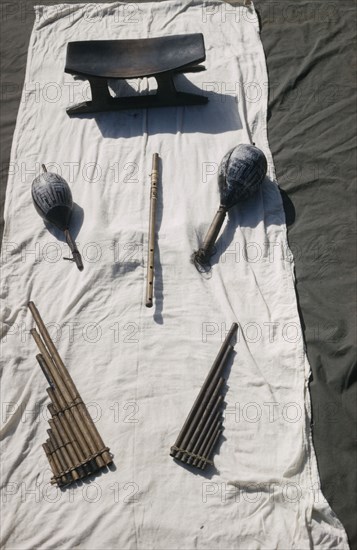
(75, 252)
(205, 250)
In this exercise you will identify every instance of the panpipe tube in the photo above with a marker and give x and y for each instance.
(73, 432)
(55, 462)
(210, 446)
(68, 384)
(211, 403)
(151, 235)
(200, 435)
(49, 458)
(76, 408)
(71, 449)
(61, 452)
(217, 420)
(75, 460)
(55, 480)
(69, 423)
(58, 451)
(205, 398)
(68, 456)
(210, 419)
(60, 479)
(44, 369)
(206, 384)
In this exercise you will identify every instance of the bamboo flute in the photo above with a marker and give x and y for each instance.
(151, 235)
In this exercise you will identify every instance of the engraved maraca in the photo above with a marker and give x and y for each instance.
(240, 174)
(52, 198)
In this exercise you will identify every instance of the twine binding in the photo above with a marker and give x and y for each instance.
(199, 457)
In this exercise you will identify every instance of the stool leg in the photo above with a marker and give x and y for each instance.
(100, 90)
(165, 85)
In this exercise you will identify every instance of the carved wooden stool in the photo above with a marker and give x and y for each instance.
(161, 58)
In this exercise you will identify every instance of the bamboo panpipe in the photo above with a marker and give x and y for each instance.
(204, 401)
(152, 223)
(75, 405)
(75, 448)
(69, 390)
(203, 425)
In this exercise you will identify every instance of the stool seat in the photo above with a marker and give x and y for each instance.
(134, 58)
(162, 57)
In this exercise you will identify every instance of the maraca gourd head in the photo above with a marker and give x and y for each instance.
(241, 172)
(52, 198)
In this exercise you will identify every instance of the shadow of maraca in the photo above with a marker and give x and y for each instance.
(251, 212)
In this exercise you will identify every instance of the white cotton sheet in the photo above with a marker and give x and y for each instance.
(138, 369)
